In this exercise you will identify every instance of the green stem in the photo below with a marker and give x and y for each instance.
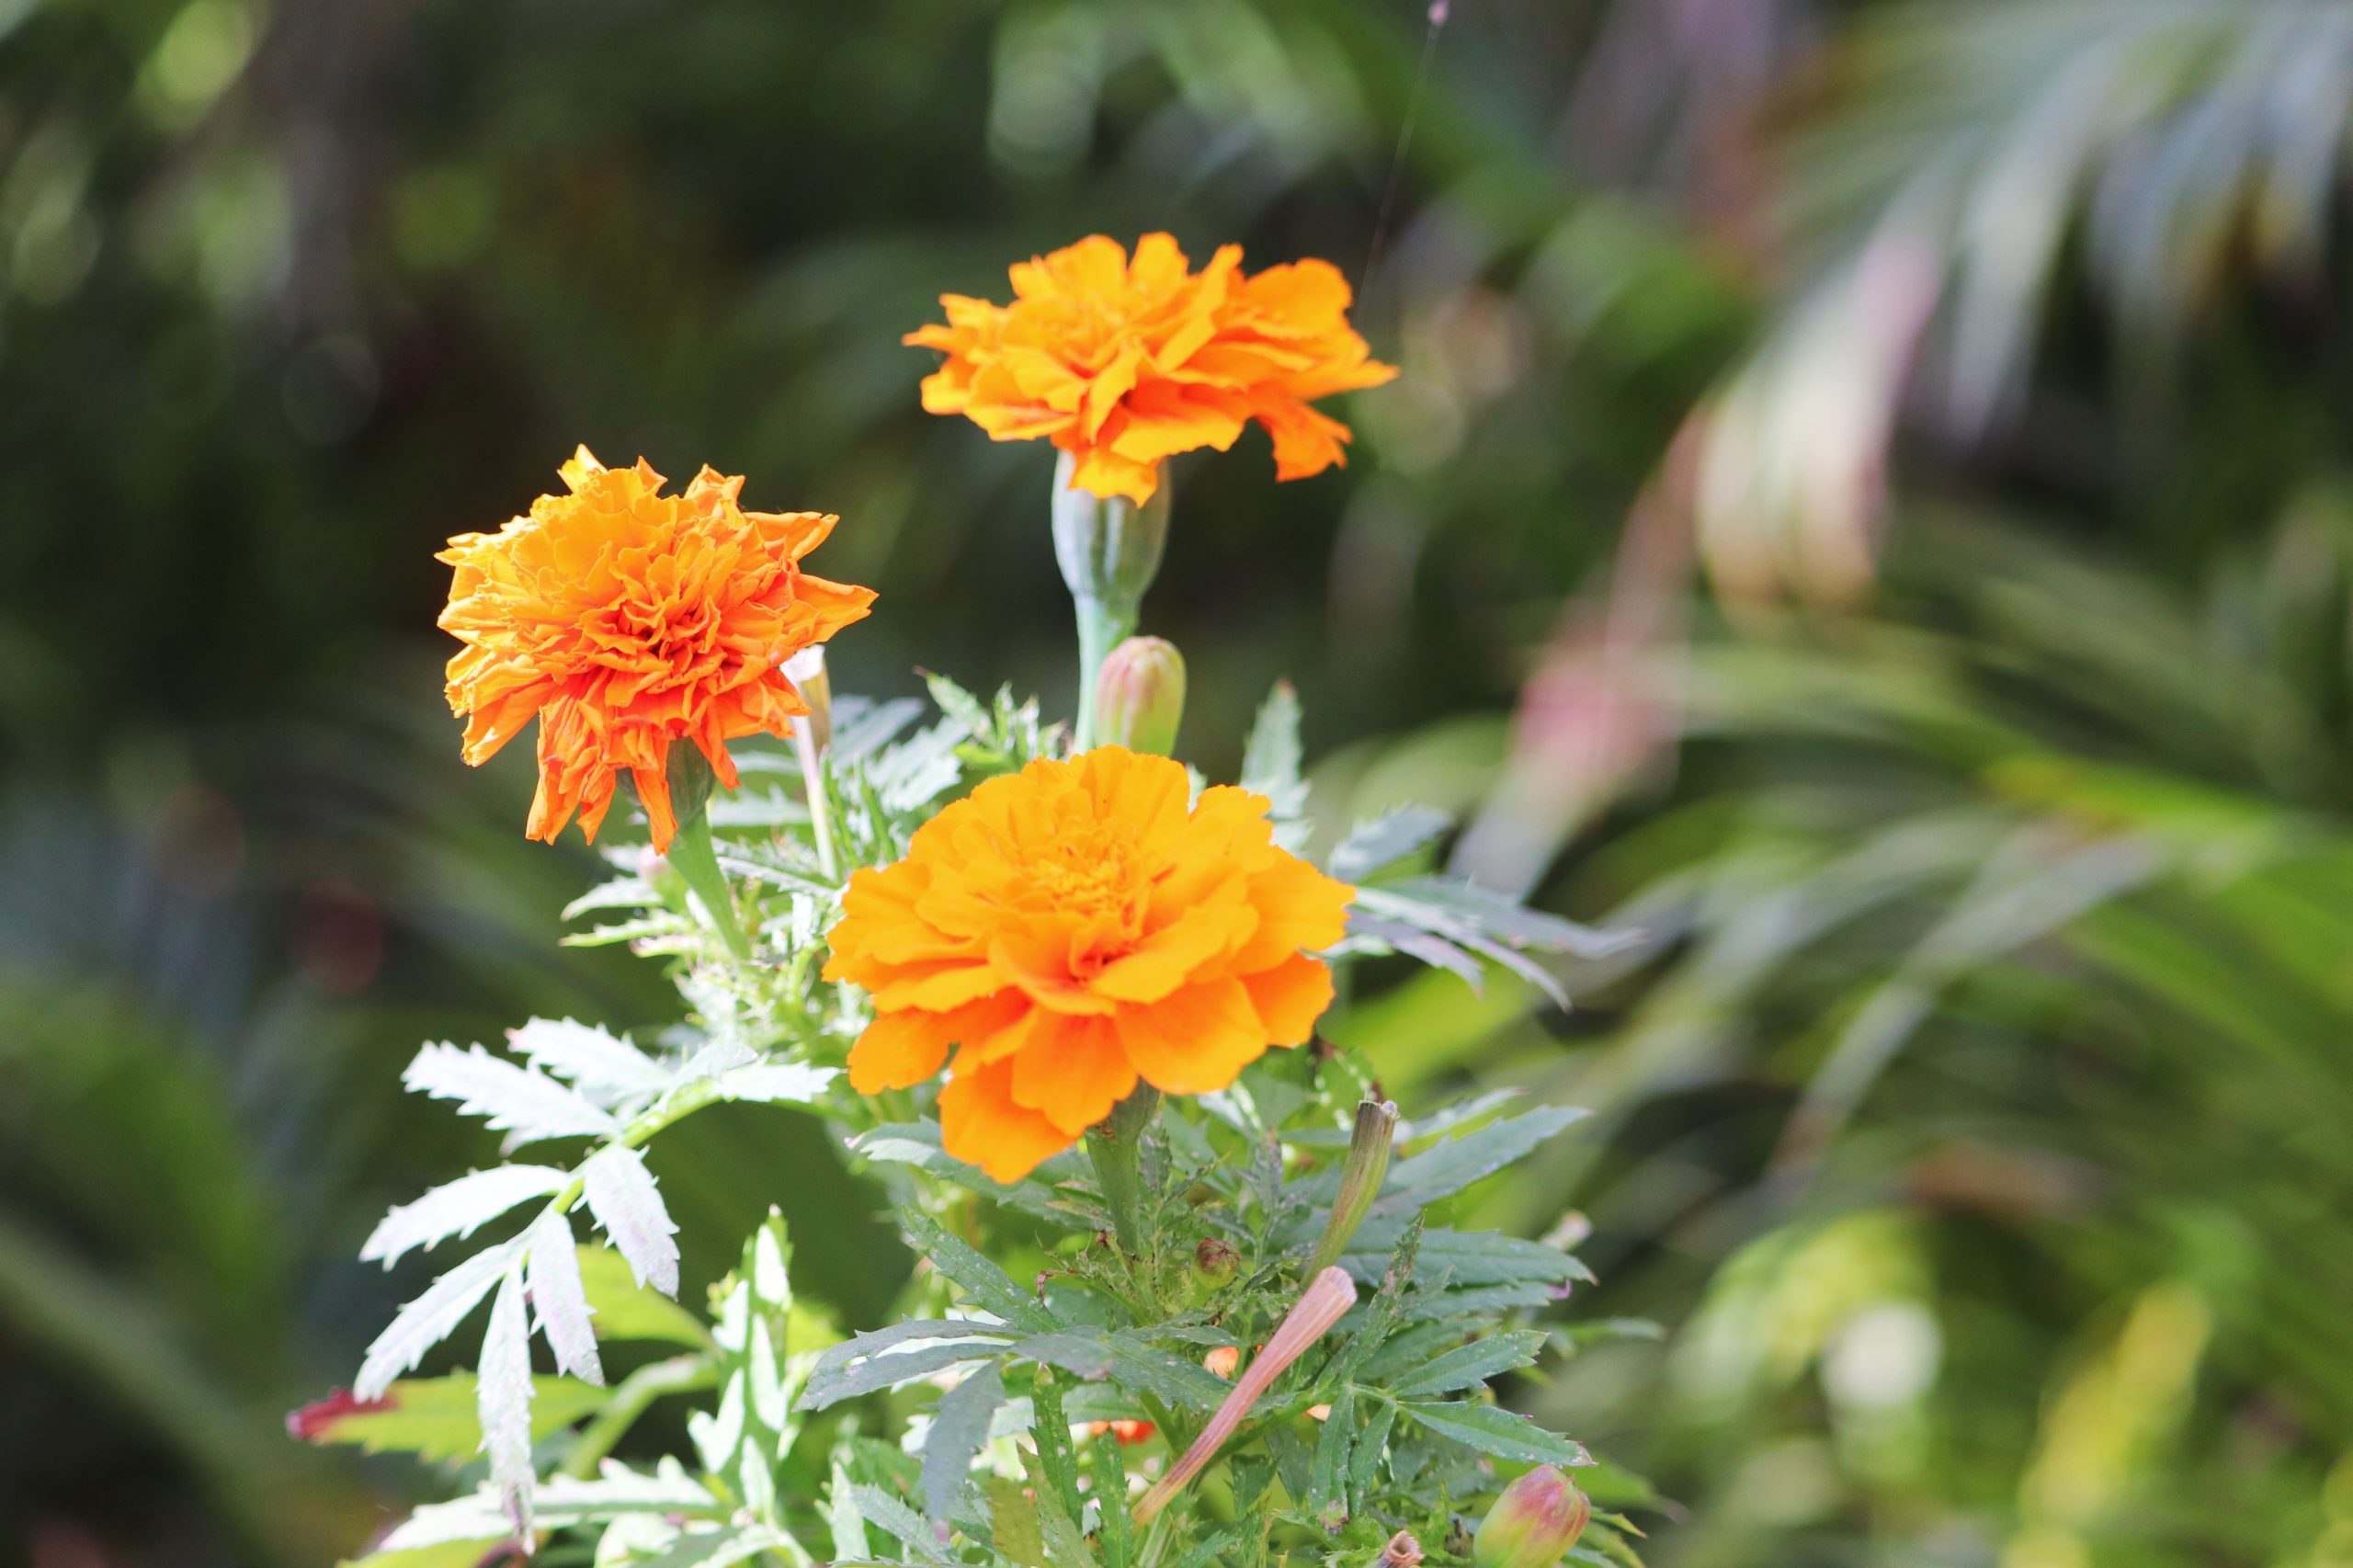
(631, 1399)
(641, 1131)
(1101, 628)
(1113, 1143)
(821, 808)
(698, 861)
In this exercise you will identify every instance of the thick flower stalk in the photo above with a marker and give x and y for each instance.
(1073, 931)
(1123, 362)
(626, 620)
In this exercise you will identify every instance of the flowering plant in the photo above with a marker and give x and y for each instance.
(1187, 1291)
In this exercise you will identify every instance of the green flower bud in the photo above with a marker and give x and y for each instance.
(1538, 1518)
(1108, 550)
(1215, 1261)
(1140, 696)
(1360, 1177)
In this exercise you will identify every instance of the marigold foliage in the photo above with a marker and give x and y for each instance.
(1074, 928)
(625, 620)
(1126, 362)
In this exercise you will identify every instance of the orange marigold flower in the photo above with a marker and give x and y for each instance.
(1075, 927)
(625, 620)
(1122, 363)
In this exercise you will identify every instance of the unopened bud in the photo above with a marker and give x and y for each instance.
(1402, 1551)
(1140, 696)
(806, 670)
(1108, 548)
(1538, 1518)
(1222, 1360)
(1361, 1175)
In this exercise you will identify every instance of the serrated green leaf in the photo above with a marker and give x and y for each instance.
(961, 706)
(1076, 1351)
(1111, 1489)
(847, 1525)
(448, 1554)
(895, 1519)
(1013, 1521)
(1470, 1365)
(1271, 763)
(435, 1418)
(1049, 1429)
(958, 1428)
(1385, 840)
(1447, 1168)
(1057, 1529)
(833, 1380)
(1490, 1430)
(987, 1284)
(1142, 1367)
(1327, 1479)
(1366, 1458)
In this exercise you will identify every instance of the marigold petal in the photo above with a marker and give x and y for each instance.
(1289, 998)
(1298, 907)
(1073, 1071)
(1167, 958)
(898, 1050)
(1037, 959)
(916, 1042)
(939, 986)
(1194, 1041)
(981, 1124)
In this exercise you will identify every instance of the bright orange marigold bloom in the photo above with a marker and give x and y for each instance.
(625, 620)
(1073, 928)
(1124, 363)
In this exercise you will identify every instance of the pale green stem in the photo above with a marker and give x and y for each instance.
(1112, 1144)
(821, 808)
(692, 853)
(631, 1399)
(641, 1131)
(1101, 628)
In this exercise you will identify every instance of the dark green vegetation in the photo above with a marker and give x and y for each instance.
(1975, 1118)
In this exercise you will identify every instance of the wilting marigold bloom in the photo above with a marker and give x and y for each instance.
(1122, 363)
(1071, 929)
(625, 620)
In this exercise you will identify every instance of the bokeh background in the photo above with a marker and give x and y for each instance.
(1866, 504)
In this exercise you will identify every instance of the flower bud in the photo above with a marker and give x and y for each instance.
(1215, 1261)
(1538, 1518)
(1402, 1551)
(1108, 549)
(806, 670)
(1140, 696)
(1365, 1169)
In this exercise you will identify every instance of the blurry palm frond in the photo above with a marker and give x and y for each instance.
(2016, 915)
(1969, 163)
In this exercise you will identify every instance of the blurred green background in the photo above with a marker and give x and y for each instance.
(1866, 504)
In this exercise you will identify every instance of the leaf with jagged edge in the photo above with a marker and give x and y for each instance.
(458, 1208)
(432, 1317)
(622, 1195)
(525, 1105)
